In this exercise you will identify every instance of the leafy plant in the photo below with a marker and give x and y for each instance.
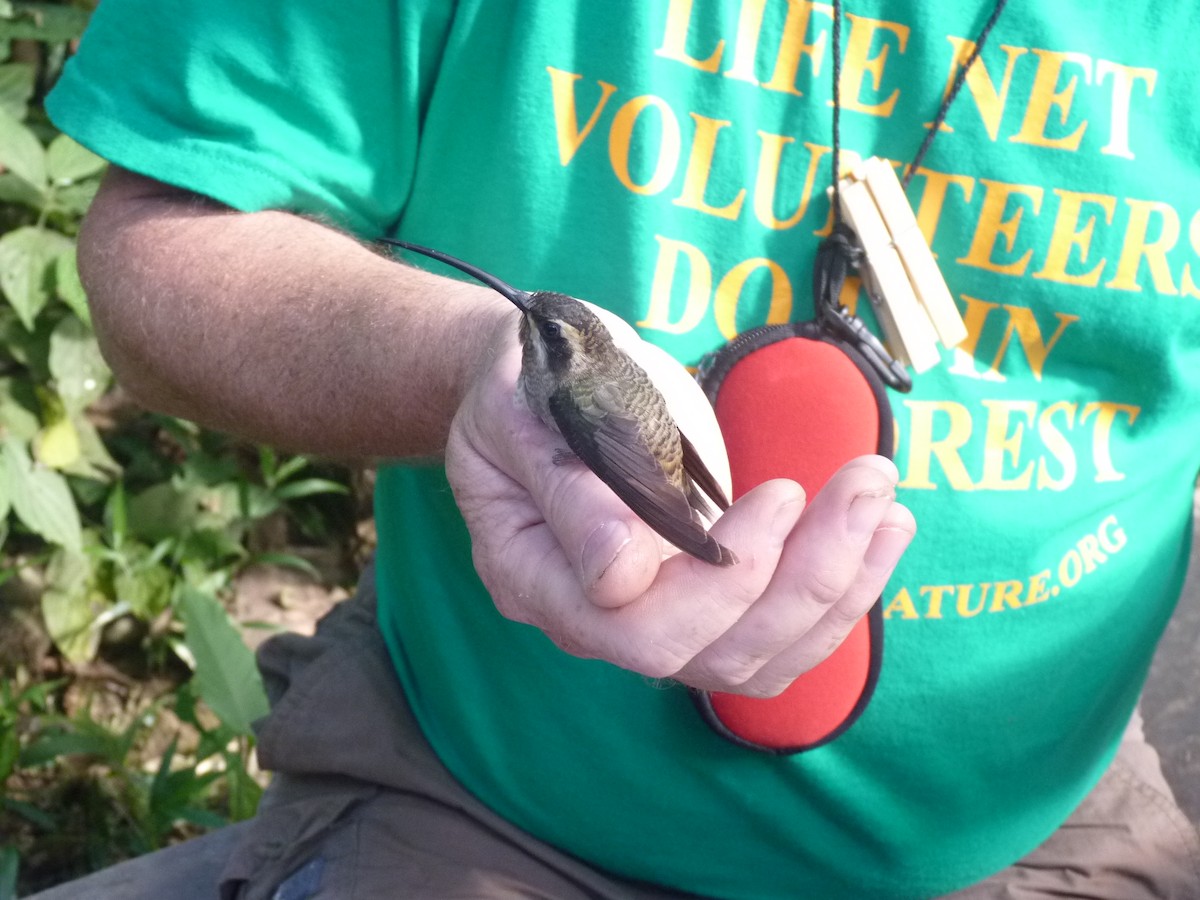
(121, 535)
(141, 802)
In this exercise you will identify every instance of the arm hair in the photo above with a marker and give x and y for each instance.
(275, 327)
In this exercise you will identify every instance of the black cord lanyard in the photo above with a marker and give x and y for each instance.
(840, 253)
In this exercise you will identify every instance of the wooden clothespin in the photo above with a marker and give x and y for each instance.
(907, 290)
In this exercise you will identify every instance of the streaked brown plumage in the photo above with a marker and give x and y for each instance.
(613, 418)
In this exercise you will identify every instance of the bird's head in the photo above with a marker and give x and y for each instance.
(561, 335)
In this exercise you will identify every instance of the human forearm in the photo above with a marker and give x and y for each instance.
(280, 329)
(275, 327)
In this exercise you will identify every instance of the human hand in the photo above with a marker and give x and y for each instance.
(559, 551)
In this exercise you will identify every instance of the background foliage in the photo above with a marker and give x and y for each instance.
(126, 690)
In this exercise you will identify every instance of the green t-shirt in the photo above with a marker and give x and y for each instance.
(668, 159)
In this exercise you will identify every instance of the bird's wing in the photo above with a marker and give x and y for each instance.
(608, 439)
(694, 466)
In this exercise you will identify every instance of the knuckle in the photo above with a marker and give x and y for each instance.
(570, 643)
(513, 606)
(825, 586)
(833, 641)
(840, 620)
(736, 669)
(654, 661)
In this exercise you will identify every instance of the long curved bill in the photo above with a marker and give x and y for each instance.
(519, 298)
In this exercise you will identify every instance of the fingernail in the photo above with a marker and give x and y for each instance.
(881, 464)
(601, 549)
(867, 509)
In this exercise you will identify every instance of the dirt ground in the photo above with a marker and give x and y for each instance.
(269, 599)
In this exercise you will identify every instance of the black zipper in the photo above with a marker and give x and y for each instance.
(714, 366)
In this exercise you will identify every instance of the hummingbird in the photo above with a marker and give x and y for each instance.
(612, 417)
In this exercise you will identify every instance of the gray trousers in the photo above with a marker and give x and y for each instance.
(361, 808)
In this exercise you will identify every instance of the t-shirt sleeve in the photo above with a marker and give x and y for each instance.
(308, 106)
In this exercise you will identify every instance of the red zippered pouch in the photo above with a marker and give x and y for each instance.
(798, 401)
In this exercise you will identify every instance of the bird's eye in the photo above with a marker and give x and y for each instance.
(550, 330)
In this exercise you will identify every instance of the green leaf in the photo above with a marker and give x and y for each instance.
(68, 161)
(10, 864)
(68, 286)
(221, 505)
(277, 475)
(21, 152)
(205, 579)
(16, 87)
(211, 548)
(57, 444)
(37, 696)
(256, 502)
(14, 189)
(94, 462)
(166, 510)
(290, 561)
(116, 514)
(79, 371)
(226, 677)
(147, 590)
(244, 791)
(10, 749)
(209, 469)
(158, 785)
(28, 811)
(30, 348)
(206, 819)
(75, 198)
(71, 740)
(268, 462)
(185, 708)
(173, 796)
(18, 408)
(25, 254)
(71, 607)
(307, 487)
(41, 498)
